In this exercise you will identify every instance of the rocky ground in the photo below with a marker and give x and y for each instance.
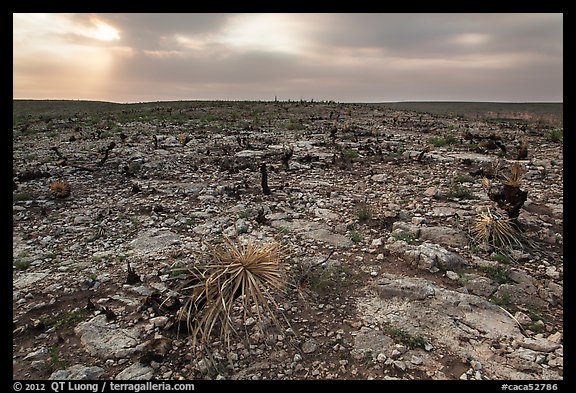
(372, 205)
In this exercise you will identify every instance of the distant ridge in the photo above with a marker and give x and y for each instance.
(496, 110)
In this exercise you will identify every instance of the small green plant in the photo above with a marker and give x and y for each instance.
(364, 214)
(464, 179)
(451, 140)
(504, 301)
(355, 236)
(459, 192)
(24, 195)
(462, 279)
(64, 319)
(350, 153)
(293, 125)
(554, 135)
(437, 141)
(498, 273)
(134, 167)
(245, 213)
(321, 280)
(536, 326)
(135, 221)
(405, 237)
(21, 264)
(535, 314)
(55, 362)
(402, 336)
(505, 259)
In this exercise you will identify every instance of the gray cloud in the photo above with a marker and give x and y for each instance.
(345, 57)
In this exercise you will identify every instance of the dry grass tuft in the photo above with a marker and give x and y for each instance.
(237, 277)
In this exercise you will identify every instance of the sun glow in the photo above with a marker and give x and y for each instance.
(272, 32)
(104, 32)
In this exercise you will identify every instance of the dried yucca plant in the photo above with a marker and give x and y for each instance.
(60, 189)
(244, 276)
(490, 229)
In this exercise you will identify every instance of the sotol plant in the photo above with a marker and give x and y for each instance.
(244, 275)
(60, 189)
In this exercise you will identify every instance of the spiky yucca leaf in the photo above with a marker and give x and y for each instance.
(60, 188)
(238, 274)
(490, 229)
(184, 139)
(515, 177)
(486, 184)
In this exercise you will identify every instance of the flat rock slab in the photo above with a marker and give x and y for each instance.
(315, 231)
(154, 240)
(250, 153)
(465, 325)
(107, 340)
(137, 371)
(78, 372)
(28, 279)
(326, 236)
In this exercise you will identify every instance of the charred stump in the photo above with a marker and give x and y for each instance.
(264, 173)
(106, 153)
(286, 159)
(510, 199)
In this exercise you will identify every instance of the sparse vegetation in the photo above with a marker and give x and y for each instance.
(464, 179)
(350, 153)
(322, 280)
(502, 258)
(554, 135)
(402, 336)
(133, 167)
(65, 319)
(439, 141)
(405, 237)
(458, 191)
(56, 363)
(355, 236)
(497, 273)
(24, 195)
(364, 214)
(317, 193)
(21, 264)
(504, 301)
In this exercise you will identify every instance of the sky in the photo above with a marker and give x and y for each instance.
(343, 57)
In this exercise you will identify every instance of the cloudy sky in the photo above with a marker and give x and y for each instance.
(342, 57)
